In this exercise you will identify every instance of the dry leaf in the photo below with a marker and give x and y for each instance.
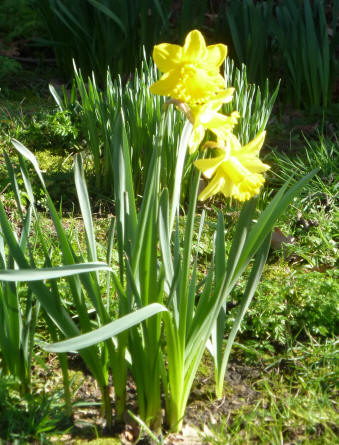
(279, 238)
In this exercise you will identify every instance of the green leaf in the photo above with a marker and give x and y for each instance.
(109, 14)
(186, 133)
(108, 331)
(85, 207)
(49, 273)
(251, 287)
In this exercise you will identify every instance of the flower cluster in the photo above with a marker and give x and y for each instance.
(191, 77)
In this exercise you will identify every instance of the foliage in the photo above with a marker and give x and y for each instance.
(98, 110)
(308, 53)
(30, 418)
(293, 401)
(8, 67)
(54, 131)
(138, 274)
(254, 104)
(294, 312)
(140, 242)
(245, 25)
(295, 41)
(19, 20)
(290, 304)
(101, 33)
(292, 40)
(322, 153)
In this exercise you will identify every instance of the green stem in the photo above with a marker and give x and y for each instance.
(107, 406)
(65, 376)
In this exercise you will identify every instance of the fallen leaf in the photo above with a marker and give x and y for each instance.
(323, 268)
(279, 238)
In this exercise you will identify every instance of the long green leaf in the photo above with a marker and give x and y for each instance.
(251, 287)
(81, 188)
(108, 331)
(109, 13)
(49, 273)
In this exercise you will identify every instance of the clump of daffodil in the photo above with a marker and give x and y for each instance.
(190, 72)
(236, 171)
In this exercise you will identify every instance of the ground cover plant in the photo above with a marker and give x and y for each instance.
(280, 384)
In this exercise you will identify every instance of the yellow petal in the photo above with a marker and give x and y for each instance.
(216, 54)
(208, 166)
(233, 142)
(222, 97)
(214, 120)
(202, 86)
(226, 96)
(254, 165)
(255, 144)
(195, 47)
(214, 187)
(207, 115)
(167, 56)
(165, 85)
(197, 136)
(221, 125)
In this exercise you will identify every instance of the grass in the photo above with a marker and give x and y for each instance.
(34, 417)
(294, 401)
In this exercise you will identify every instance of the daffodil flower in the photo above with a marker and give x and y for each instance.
(237, 171)
(205, 117)
(191, 72)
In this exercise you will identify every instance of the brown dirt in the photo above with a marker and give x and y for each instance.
(203, 409)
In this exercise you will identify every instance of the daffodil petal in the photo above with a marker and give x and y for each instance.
(214, 187)
(237, 171)
(222, 97)
(197, 136)
(208, 166)
(195, 47)
(165, 84)
(225, 96)
(254, 165)
(216, 54)
(167, 56)
(234, 142)
(221, 122)
(202, 86)
(255, 144)
(195, 69)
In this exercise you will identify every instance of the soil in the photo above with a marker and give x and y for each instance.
(202, 409)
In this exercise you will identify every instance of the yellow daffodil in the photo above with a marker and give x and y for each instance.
(191, 72)
(237, 171)
(205, 117)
